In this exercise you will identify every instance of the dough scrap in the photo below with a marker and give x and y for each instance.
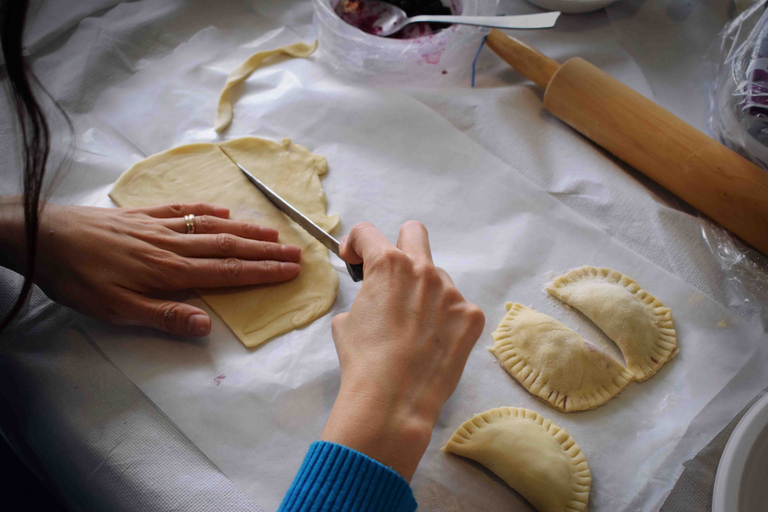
(534, 456)
(635, 320)
(203, 173)
(554, 363)
(224, 112)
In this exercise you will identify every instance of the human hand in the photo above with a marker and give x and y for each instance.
(105, 262)
(402, 347)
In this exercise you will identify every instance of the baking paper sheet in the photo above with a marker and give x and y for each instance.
(255, 412)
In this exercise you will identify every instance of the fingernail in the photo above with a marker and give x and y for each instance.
(290, 268)
(343, 240)
(291, 252)
(220, 211)
(199, 325)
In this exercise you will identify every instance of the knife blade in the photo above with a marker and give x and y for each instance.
(355, 270)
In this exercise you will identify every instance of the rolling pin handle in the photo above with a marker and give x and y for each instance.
(528, 61)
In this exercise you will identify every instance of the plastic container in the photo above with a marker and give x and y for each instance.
(572, 6)
(443, 58)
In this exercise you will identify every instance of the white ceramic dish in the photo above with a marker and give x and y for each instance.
(572, 6)
(741, 483)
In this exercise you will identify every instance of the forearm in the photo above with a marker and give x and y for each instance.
(12, 236)
(379, 426)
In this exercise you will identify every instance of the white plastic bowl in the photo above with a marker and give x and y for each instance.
(443, 58)
(741, 483)
(572, 6)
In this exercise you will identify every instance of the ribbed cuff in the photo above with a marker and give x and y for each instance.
(335, 478)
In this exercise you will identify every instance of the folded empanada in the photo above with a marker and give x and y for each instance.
(554, 363)
(634, 319)
(533, 455)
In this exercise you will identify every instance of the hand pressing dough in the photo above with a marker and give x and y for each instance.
(224, 111)
(554, 363)
(533, 455)
(203, 173)
(634, 319)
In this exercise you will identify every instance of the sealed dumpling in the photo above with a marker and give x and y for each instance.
(554, 363)
(534, 456)
(634, 319)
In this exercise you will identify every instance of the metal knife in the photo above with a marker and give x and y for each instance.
(355, 271)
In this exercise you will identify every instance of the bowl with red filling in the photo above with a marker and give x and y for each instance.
(421, 54)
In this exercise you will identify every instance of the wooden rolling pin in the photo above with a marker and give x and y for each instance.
(720, 183)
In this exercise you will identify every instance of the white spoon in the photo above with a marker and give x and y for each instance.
(383, 19)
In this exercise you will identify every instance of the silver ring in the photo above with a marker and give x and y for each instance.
(189, 220)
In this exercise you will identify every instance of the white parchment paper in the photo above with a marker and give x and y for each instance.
(392, 158)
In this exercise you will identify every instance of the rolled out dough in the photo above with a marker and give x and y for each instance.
(203, 173)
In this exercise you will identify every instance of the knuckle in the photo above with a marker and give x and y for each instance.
(453, 295)
(169, 316)
(166, 267)
(176, 208)
(267, 250)
(359, 228)
(445, 276)
(393, 258)
(226, 244)
(204, 224)
(428, 275)
(271, 267)
(427, 271)
(154, 235)
(176, 266)
(475, 315)
(250, 229)
(231, 267)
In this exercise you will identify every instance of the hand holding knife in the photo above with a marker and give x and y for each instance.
(355, 270)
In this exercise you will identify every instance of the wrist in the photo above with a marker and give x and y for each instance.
(12, 234)
(365, 419)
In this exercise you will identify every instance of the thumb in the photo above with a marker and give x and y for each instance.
(173, 317)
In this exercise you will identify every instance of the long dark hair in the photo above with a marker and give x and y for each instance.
(35, 134)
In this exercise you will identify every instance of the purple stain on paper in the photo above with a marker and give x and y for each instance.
(433, 58)
(218, 379)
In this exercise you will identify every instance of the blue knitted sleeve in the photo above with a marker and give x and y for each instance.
(338, 479)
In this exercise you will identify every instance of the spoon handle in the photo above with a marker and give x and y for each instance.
(542, 20)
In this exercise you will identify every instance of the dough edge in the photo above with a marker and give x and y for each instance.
(225, 109)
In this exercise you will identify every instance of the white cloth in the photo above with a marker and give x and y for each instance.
(142, 76)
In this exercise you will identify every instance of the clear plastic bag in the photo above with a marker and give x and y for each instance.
(740, 96)
(440, 59)
(739, 119)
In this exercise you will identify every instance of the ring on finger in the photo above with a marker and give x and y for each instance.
(189, 221)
